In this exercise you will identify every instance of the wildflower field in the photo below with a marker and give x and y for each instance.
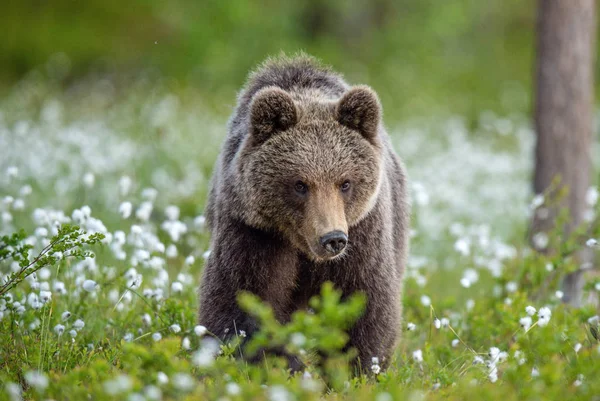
(103, 239)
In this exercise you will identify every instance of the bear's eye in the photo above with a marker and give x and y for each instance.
(345, 186)
(300, 187)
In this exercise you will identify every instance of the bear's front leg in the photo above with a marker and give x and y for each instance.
(244, 259)
(375, 334)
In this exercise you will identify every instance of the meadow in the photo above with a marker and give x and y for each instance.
(107, 181)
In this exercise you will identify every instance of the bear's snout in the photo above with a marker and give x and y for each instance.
(334, 242)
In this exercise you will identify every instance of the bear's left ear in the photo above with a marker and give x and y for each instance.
(359, 109)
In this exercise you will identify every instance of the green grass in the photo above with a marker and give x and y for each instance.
(470, 194)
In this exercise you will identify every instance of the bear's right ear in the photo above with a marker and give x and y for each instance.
(272, 110)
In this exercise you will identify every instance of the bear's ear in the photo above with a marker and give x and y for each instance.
(272, 110)
(359, 109)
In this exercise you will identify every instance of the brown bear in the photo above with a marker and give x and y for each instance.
(307, 189)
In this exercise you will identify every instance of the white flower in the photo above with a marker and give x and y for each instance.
(175, 328)
(12, 171)
(465, 282)
(535, 372)
(185, 343)
(206, 254)
(175, 228)
(297, 339)
(41, 232)
(59, 329)
(176, 287)
(162, 378)
(493, 354)
(577, 347)
(37, 380)
(525, 322)
(200, 330)
(7, 217)
(511, 286)
(25, 190)
(65, 315)
(18, 204)
(14, 391)
(172, 212)
(471, 276)
(89, 179)
(45, 296)
(455, 343)
(530, 310)
(205, 356)
(153, 393)
(146, 319)
(190, 260)
(119, 384)
(594, 319)
(437, 323)
(540, 240)
(592, 242)
(279, 393)
(493, 375)
(149, 193)
(579, 380)
(519, 357)
(157, 336)
(144, 211)
(375, 369)
(125, 209)
(425, 300)
(124, 185)
(233, 389)
(199, 222)
(411, 326)
(134, 283)
(90, 285)
(242, 333)
(544, 315)
(559, 294)
(78, 324)
(128, 337)
(418, 356)
(73, 333)
(463, 246)
(537, 201)
(171, 251)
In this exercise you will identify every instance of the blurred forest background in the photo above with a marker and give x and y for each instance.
(422, 56)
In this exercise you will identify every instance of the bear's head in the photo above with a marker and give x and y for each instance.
(310, 169)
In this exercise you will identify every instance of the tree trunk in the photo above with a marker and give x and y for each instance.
(564, 112)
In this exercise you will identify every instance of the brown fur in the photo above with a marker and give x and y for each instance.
(297, 121)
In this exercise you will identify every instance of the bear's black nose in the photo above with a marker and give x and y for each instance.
(334, 242)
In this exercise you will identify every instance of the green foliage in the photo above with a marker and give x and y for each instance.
(455, 359)
(322, 329)
(459, 56)
(68, 243)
